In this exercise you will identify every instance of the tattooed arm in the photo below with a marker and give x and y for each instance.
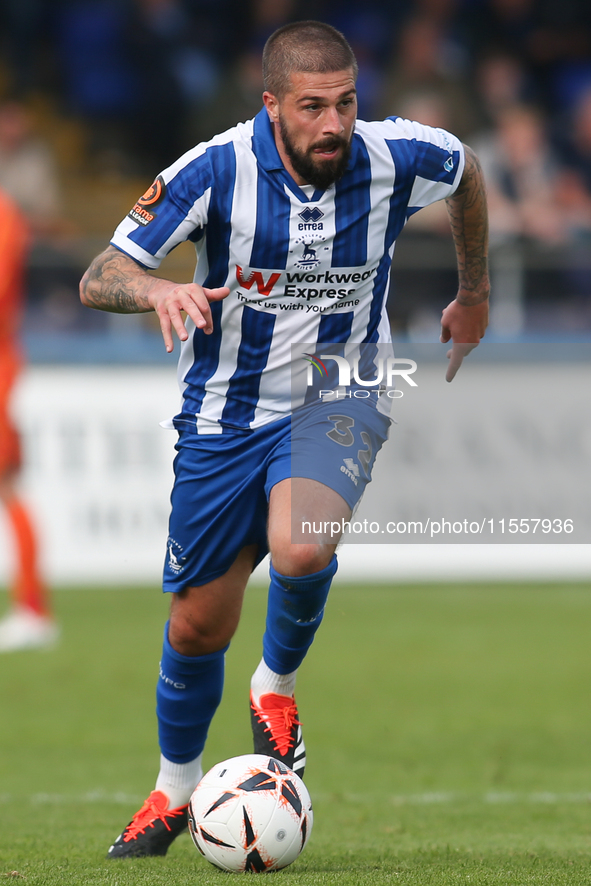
(115, 282)
(464, 321)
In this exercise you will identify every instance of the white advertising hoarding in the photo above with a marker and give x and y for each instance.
(98, 472)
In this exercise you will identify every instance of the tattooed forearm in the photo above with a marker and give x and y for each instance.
(469, 224)
(114, 282)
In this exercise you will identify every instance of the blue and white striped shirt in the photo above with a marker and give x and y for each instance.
(302, 265)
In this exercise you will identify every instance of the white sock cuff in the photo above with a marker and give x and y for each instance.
(179, 780)
(265, 680)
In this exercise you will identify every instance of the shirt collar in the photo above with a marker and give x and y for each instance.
(263, 143)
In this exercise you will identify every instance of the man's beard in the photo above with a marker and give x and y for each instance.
(319, 173)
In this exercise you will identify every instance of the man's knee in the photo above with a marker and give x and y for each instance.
(298, 560)
(193, 635)
(202, 623)
(204, 619)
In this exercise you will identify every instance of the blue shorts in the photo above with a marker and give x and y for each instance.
(223, 482)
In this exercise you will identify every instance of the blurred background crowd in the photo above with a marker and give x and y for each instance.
(97, 96)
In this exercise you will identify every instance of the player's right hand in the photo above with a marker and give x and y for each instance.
(170, 301)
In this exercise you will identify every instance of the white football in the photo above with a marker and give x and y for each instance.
(250, 813)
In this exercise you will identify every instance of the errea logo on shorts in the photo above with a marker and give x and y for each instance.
(351, 469)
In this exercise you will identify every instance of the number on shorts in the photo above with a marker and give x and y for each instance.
(341, 433)
(364, 455)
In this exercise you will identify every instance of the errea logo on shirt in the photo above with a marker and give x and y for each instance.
(311, 219)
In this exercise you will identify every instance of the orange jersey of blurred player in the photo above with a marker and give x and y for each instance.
(29, 622)
(14, 238)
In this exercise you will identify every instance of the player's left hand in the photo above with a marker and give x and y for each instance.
(464, 325)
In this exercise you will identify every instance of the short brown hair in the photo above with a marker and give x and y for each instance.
(304, 47)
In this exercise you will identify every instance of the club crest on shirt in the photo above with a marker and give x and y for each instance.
(310, 247)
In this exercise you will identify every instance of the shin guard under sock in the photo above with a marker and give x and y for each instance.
(188, 694)
(294, 612)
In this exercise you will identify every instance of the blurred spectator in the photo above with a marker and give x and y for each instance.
(535, 210)
(28, 170)
(176, 76)
(180, 50)
(551, 39)
(502, 25)
(575, 140)
(500, 80)
(268, 15)
(184, 43)
(29, 174)
(521, 173)
(102, 78)
(574, 196)
(423, 67)
(240, 95)
(24, 29)
(369, 27)
(439, 10)
(29, 622)
(558, 50)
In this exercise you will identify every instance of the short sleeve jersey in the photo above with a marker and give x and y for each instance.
(302, 265)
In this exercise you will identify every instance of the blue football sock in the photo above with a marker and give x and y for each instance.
(188, 694)
(294, 612)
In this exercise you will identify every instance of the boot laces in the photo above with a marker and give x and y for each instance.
(151, 812)
(280, 723)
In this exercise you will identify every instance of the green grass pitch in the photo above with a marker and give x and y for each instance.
(448, 730)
